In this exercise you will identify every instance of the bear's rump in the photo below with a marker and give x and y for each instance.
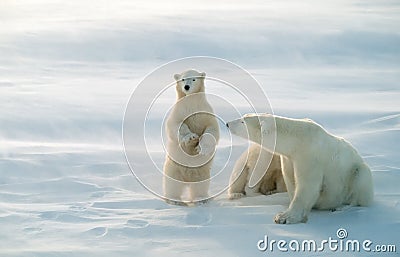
(335, 187)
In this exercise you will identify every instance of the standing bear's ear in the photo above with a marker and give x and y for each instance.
(202, 74)
(177, 77)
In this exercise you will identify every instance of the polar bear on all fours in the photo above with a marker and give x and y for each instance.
(193, 132)
(264, 165)
(320, 170)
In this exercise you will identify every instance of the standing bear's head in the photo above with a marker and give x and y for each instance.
(189, 82)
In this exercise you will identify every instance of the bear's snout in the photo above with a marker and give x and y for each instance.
(227, 124)
(186, 87)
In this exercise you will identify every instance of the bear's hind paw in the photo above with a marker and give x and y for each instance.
(174, 202)
(233, 196)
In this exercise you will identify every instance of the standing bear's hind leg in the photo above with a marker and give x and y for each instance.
(173, 184)
(199, 191)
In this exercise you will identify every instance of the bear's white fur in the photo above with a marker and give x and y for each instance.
(256, 161)
(193, 133)
(320, 170)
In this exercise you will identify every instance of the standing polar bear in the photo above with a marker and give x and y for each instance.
(261, 165)
(320, 170)
(193, 132)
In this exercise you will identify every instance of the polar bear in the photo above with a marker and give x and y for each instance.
(256, 161)
(192, 133)
(320, 170)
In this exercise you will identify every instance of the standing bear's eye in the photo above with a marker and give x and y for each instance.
(183, 79)
(194, 79)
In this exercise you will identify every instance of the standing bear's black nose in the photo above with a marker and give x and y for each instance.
(227, 124)
(187, 87)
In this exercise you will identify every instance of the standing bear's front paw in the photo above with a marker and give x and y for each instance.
(203, 149)
(207, 144)
(290, 217)
(191, 138)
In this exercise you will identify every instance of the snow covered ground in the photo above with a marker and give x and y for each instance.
(67, 69)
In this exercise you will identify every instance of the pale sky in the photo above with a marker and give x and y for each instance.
(271, 33)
